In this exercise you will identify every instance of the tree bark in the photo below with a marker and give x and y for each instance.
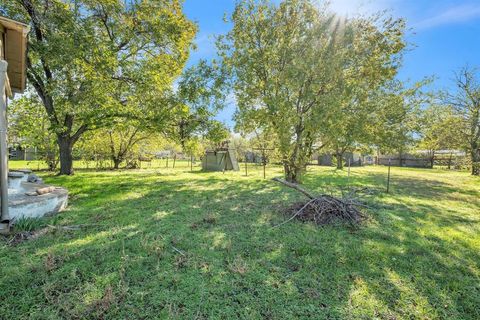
(339, 157)
(116, 163)
(292, 174)
(65, 145)
(113, 154)
(475, 153)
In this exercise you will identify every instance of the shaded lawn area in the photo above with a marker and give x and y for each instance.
(417, 257)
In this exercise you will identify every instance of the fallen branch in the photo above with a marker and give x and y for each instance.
(295, 186)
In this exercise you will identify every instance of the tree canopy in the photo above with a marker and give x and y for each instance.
(92, 60)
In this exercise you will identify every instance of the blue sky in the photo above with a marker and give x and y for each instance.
(445, 34)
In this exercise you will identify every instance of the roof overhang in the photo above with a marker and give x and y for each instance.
(15, 53)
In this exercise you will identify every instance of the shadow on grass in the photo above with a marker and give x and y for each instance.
(164, 245)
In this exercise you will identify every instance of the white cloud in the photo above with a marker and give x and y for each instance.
(457, 14)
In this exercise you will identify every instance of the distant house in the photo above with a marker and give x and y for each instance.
(253, 157)
(325, 159)
(170, 154)
(369, 160)
(163, 154)
(352, 158)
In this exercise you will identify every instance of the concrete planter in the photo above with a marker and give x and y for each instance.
(25, 202)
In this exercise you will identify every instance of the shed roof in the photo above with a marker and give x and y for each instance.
(15, 52)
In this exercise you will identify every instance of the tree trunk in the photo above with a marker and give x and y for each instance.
(65, 145)
(292, 173)
(116, 162)
(475, 162)
(432, 160)
(339, 157)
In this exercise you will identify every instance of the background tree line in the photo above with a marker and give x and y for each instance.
(113, 74)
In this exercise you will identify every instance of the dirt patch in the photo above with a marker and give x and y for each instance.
(20, 237)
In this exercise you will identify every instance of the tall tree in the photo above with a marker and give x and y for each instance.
(466, 103)
(440, 129)
(350, 128)
(395, 123)
(28, 127)
(291, 62)
(199, 95)
(84, 53)
(122, 140)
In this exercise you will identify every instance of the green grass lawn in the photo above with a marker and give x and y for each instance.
(173, 244)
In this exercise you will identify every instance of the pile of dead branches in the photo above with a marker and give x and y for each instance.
(326, 209)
